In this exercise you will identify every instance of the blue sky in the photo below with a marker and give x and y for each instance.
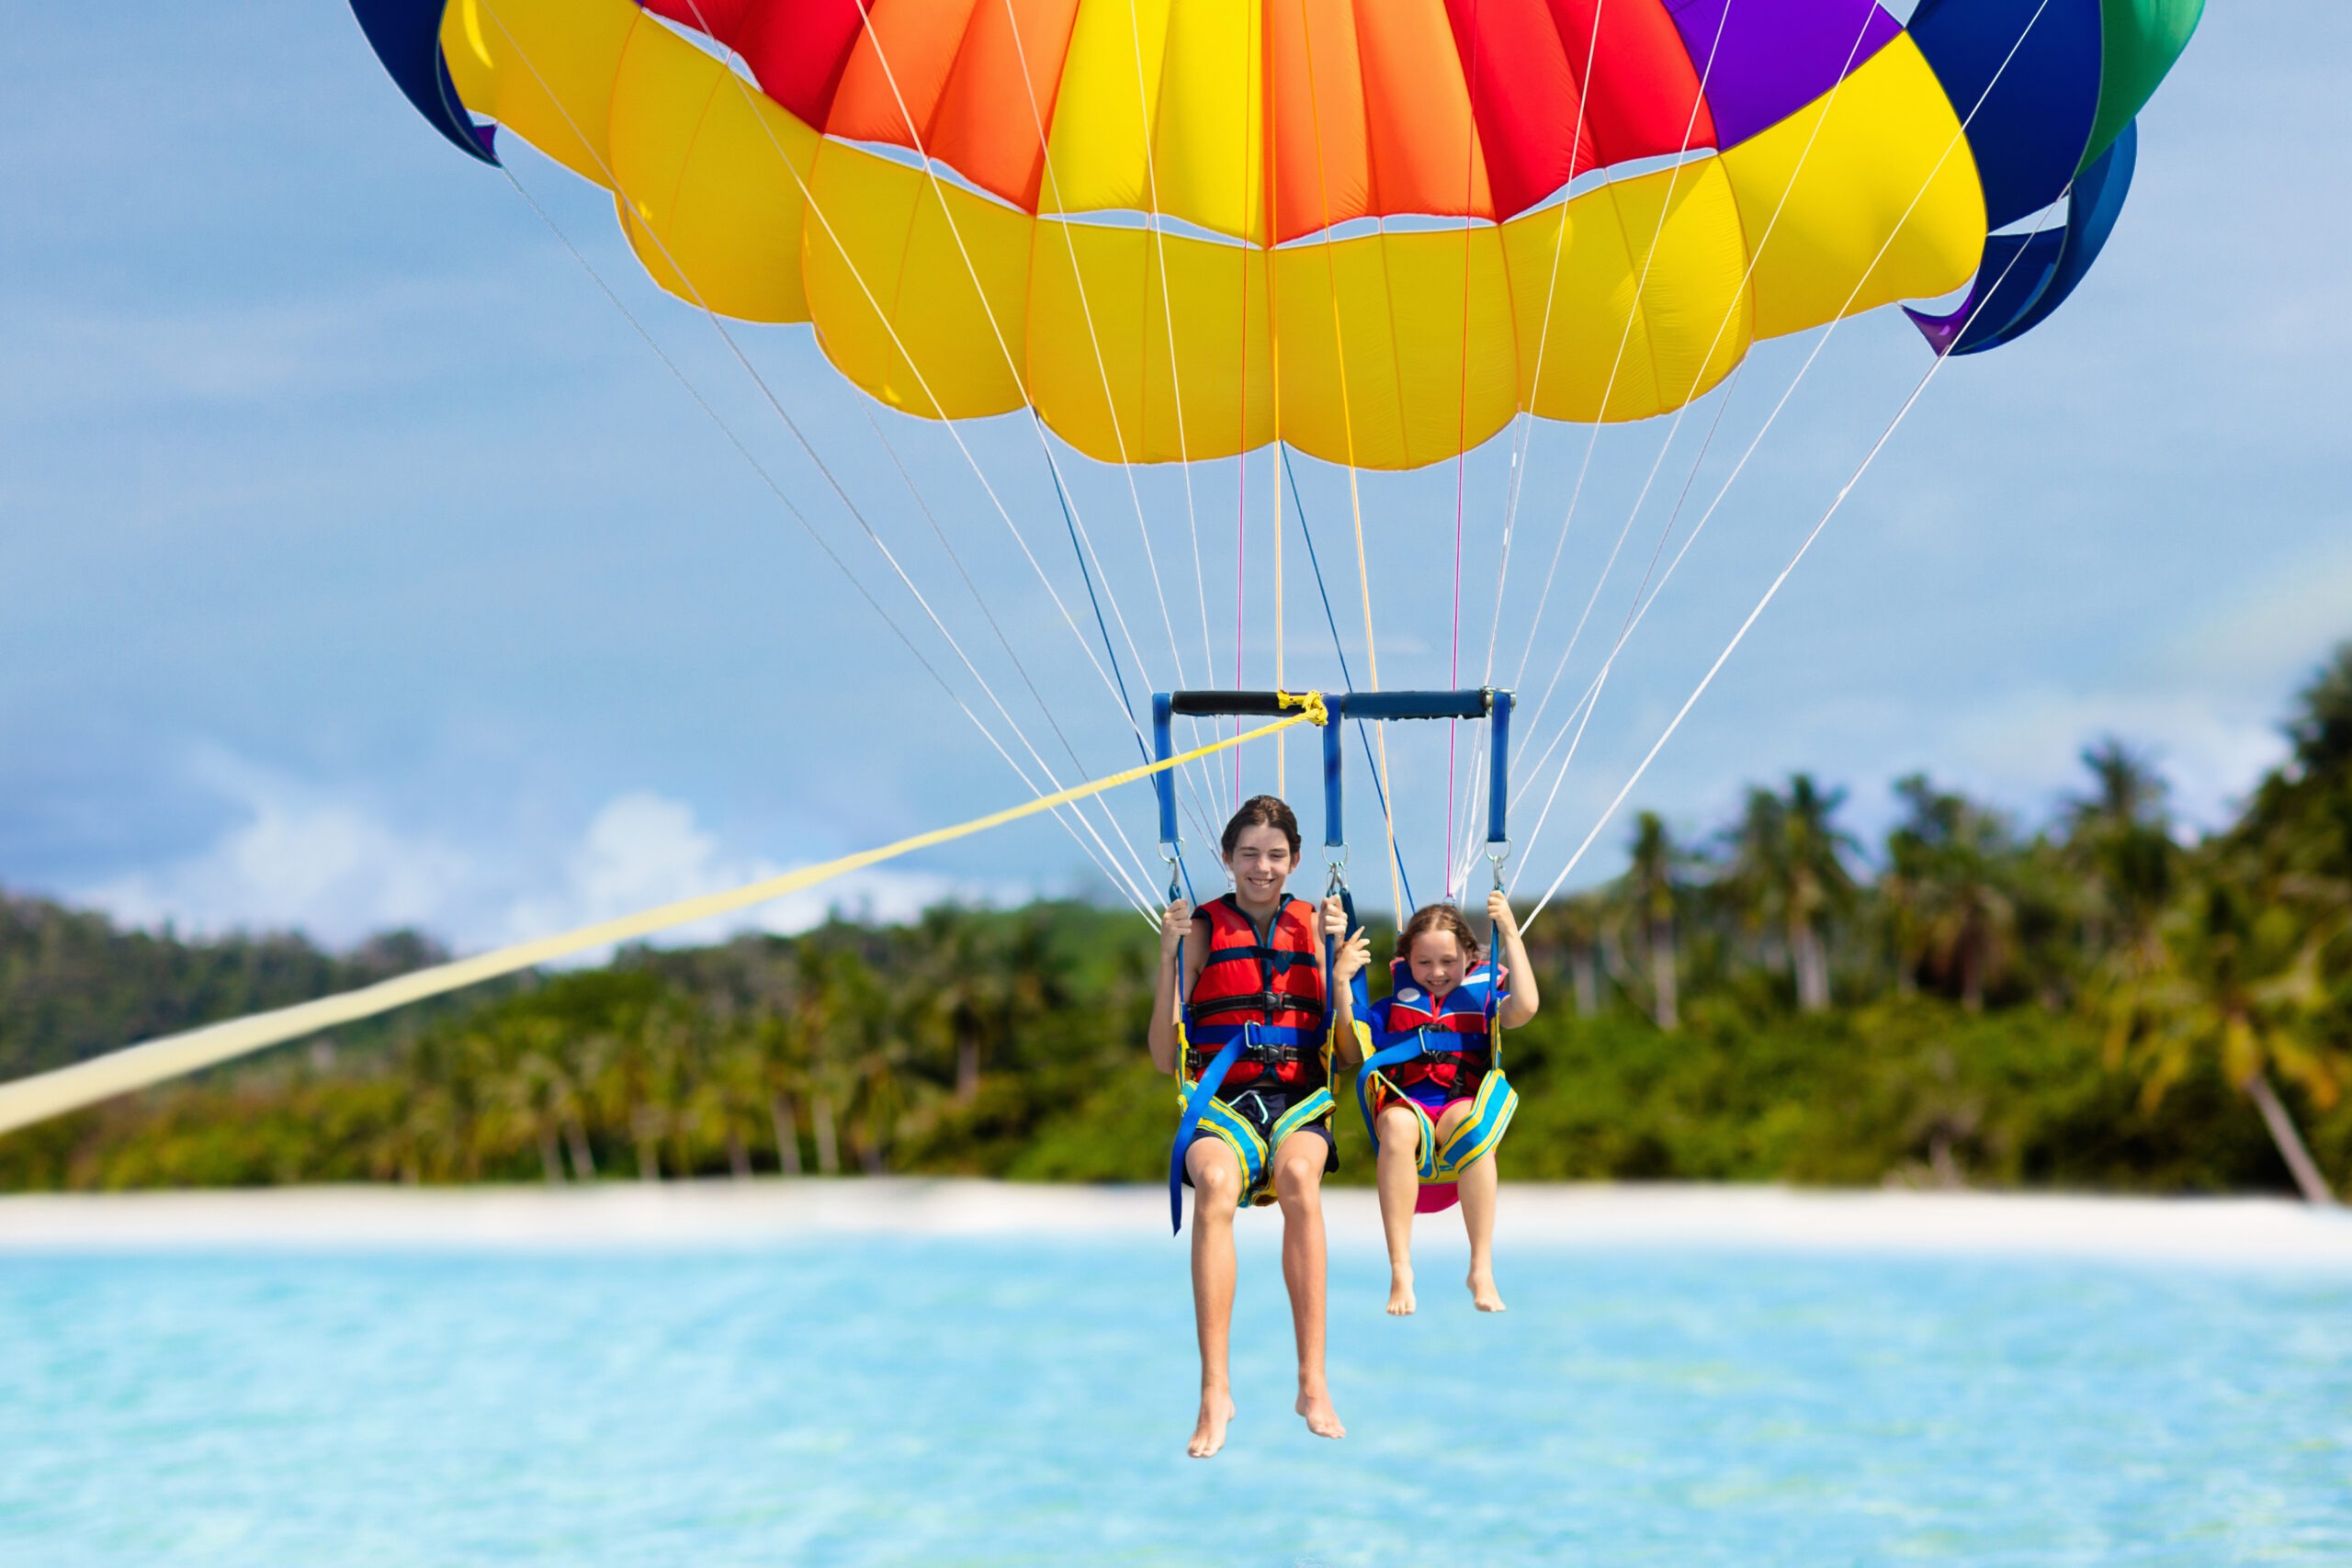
(361, 564)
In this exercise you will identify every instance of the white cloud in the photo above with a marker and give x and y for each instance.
(645, 849)
(322, 867)
(329, 868)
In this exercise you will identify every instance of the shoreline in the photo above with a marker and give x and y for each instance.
(763, 1212)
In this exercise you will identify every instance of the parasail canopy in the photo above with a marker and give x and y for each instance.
(1377, 231)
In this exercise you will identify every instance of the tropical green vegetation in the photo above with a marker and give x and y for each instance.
(2095, 1001)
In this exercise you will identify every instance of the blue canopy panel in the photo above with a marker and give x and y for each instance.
(2026, 276)
(2023, 75)
(406, 37)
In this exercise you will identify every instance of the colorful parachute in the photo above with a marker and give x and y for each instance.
(1375, 228)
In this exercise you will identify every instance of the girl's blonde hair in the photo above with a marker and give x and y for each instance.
(1438, 918)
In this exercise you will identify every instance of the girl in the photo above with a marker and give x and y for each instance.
(1438, 1019)
(1252, 971)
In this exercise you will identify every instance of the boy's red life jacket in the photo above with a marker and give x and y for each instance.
(1455, 1031)
(1269, 989)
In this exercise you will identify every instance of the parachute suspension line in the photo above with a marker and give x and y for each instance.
(768, 393)
(1241, 459)
(1298, 504)
(1069, 521)
(1590, 702)
(25, 1100)
(1240, 565)
(996, 329)
(1175, 381)
(1461, 441)
(1003, 640)
(1838, 502)
(816, 207)
(1769, 593)
(1277, 449)
(1101, 370)
(1105, 860)
(776, 405)
(1355, 488)
(1577, 719)
(1625, 338)
(1075, 524)
(1088, 579)
(1601, 679)
(1524, 435)
(1282, 751)
(1641, 605)
(1463, 843)
(1203, 788)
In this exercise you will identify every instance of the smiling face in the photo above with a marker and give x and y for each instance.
(1436, 961)
(1260, 863)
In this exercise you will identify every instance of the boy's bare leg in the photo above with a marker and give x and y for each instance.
(1400, 1178)
(1299, 1187)
(1477, 1190)
(1216, 1190)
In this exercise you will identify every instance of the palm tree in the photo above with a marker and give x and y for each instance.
(531, 1090)
(1789, 870)
(643, 1073)
(730, 1098)
(812, 1019)
(1946, 890)
(2118, 842)
(2236, 980)
(870, 1051)
(1650, 890)
(1579, 921)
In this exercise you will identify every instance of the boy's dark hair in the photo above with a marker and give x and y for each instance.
(1262, 811)
(1438, 918)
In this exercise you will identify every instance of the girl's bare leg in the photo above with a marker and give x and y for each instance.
(1216, 1190)
(1400, 1178)
(1299, 1187)
(1476, 1190)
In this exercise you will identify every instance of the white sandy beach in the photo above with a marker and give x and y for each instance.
(630, 1215)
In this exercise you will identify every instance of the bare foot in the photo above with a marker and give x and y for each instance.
(1483, 1294)
(1216, 1409)
(1400, 1292)
(1321, 1419)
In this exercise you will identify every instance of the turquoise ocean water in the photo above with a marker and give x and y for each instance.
(947, 1401)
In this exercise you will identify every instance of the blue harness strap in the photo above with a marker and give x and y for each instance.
(1489, 1118)
(1196, 1104)
(1204, 1111)
(1412, 1049)
(1491, 1109)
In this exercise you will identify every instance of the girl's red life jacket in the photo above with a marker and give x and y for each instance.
(1266, 988)
(1457, 1028)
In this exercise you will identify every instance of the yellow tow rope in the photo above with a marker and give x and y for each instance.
(44, 1095)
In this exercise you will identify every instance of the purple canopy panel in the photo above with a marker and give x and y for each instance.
(1771, 57)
